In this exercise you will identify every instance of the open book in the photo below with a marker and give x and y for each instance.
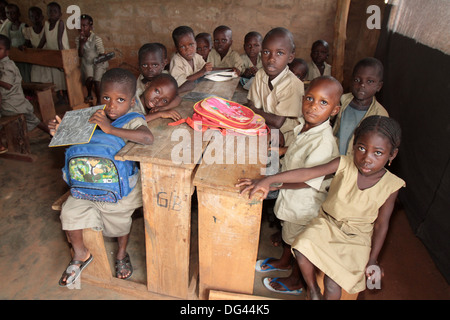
(75, 127)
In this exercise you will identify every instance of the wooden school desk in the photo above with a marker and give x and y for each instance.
(167, 189)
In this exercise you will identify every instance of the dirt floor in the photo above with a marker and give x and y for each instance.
(34, 251)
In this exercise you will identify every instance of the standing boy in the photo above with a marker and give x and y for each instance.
(360, 103)
(276, 93)
(319, 55)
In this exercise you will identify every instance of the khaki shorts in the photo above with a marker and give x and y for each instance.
(114, 219)
(290, 231)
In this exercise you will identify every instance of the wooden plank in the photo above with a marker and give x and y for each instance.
(99, 268)
(15, 131)
(167, 195)
(223, 295)
(229, 224)
(340, 35)
(224, 89)
(46, 105)
(42, 57)
(57, 205)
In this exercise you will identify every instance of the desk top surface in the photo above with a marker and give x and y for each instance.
(171, 143)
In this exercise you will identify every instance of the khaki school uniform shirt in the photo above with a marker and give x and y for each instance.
(231, 59)
(314, 72)
(284, 100)
(311, 148)
(247, 63)
(180, 68)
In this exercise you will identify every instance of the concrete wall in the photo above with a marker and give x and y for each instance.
(126, 25)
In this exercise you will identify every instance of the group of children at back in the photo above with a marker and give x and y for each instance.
(308, 201)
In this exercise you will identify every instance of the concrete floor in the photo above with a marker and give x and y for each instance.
(34, 250)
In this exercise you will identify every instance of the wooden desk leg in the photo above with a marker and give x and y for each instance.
(99, 268)
(228, 231)
(167, 195)
(46, 105)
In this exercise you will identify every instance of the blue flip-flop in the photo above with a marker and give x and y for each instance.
(261, 263)
(286, 290)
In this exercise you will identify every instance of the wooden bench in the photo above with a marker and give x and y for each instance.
(14, 130)
(44, 98)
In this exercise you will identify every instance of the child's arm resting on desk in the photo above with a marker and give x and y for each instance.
(141, 135)
(272, 120)
(169, 114)
(294, 177)
(380, 230)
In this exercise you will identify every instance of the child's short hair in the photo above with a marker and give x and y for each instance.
(386, 126)
(300, 61)
(88, 18)
(179, 32)
(5, 41)
(122, 76)
(154, 47)
(204, 35)
(54, 4)
(281, 31)
(222, 28)
(168, 77)
(320, 42)
(12, 5)
(35, 9)
(253, 34)
(370, 62)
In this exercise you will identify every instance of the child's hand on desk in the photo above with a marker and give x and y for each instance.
(53, 125)
(207, 67)
(100, 118)
(172, 114)
(253, 186)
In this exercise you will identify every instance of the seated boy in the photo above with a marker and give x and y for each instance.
(204, 44)
(158, 95)
(187, 65)
(118, 89)
(152, 61)
(252, 57)
(13, 100)
(318, 66)
(299, 67)
(276, 93)
(360, 103)
(298, 203)
(222, 56)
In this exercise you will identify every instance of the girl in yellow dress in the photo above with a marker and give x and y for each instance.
(345, 239)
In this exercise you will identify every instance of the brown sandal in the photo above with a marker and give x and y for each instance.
(123, 264)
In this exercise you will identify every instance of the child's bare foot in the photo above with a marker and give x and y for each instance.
(271, 264)
(3, 149)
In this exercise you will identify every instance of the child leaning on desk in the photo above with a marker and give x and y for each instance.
(152, 61)
(297, 204)
(118, 89)
(187, 65)
(276, 93)
(346, 237)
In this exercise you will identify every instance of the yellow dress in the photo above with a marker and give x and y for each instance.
(339, 240)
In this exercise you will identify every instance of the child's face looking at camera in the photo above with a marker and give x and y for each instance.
(117, 97)
(276, 53)
(203, 48)
(252, 47)
(187, 46)
(53, 13)
(320, 102)
(222, 41)
(372, 151)
(159, 94)
(151, 65)
(365, 84)
(319, 54)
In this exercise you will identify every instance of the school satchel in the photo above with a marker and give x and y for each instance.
(91, 171)
(228, 117)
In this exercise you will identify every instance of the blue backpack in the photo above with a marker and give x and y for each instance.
(91, 171)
